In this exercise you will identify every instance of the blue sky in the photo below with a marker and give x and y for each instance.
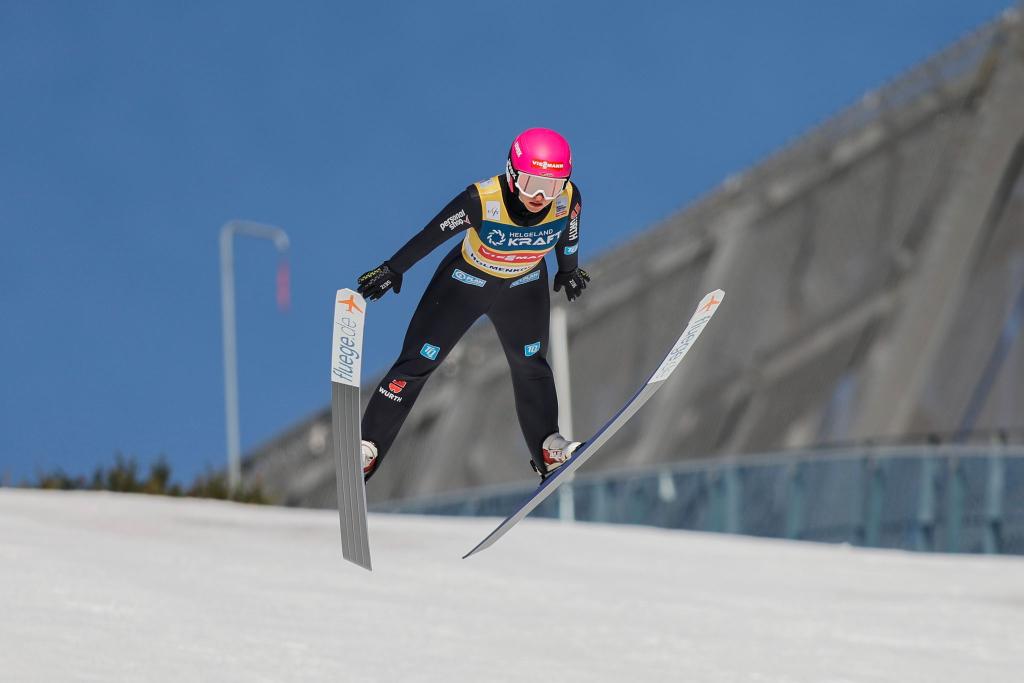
(131, 131)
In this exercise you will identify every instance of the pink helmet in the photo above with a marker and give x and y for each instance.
(539, 152)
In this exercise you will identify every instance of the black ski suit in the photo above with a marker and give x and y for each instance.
(498, 270)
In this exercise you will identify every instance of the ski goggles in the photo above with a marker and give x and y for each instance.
(533, 185)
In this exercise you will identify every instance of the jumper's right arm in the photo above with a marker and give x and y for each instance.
(459, 214)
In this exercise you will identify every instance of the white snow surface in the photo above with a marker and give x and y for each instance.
(114, 587)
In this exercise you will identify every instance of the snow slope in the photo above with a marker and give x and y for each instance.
(110, 587)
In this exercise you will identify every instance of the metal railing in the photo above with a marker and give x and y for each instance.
(947, 498)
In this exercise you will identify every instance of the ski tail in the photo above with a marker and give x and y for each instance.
(346, 367)
(705, 310)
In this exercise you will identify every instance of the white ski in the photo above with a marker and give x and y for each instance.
(346, 364)
(705, 310)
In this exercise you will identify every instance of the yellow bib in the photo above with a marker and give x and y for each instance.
(502, 248)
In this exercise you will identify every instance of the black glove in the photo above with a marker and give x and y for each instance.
(574, 281)
(373, 284)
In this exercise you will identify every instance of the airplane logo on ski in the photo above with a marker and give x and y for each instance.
(351, 303)
(711, 304)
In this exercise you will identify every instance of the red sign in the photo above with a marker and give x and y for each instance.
(540, 163)
(510, 258)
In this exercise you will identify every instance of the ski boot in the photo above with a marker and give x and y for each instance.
(555, 450)
(369, 450)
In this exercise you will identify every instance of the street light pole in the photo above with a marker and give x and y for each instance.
(227, 299)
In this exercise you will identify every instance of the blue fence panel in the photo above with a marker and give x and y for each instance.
(973, 476)
(907, 507)
(834, 507)
(762, 497)
(1012, 524)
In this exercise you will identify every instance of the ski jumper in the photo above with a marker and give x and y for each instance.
(498, 270)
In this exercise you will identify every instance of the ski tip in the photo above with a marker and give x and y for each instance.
(347, 351)
(346, 292)
(711, 301)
